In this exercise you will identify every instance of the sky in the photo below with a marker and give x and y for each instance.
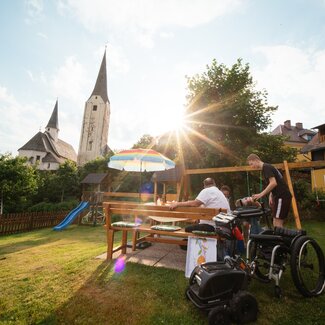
(53, 49)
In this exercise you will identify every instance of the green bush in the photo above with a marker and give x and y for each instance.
(46, 206)
(311, 205)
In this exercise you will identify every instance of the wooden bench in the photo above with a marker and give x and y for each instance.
(137, 211)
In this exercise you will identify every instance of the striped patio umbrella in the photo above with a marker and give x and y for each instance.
(140, 160)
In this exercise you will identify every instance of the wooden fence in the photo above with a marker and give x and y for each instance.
(21, 222)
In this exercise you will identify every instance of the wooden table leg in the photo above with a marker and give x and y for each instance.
(134, 239)
(110, 243)
(124, 241)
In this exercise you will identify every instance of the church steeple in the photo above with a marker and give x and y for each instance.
(95, 125)
(54, 121)
(101, 82)
(53, 125)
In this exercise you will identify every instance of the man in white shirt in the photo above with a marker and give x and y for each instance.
(209, 197)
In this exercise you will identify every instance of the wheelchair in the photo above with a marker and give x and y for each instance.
(269, 252)
(221, 287)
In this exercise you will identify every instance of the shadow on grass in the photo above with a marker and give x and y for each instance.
(26, 244)
(138, 295)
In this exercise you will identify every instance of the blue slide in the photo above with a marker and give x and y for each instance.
(72, 215)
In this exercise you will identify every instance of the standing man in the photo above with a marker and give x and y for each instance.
(280, 196)
(210, 197)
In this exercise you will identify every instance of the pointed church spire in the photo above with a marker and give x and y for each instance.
(101, 82)
(54, 121)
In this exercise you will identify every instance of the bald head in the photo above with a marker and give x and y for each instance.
(209, 182)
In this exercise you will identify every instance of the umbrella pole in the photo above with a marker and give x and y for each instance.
(140, 181)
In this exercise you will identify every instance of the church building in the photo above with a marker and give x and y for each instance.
(46, 149)
(95, 124)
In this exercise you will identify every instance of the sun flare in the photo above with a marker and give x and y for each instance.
(170, 122)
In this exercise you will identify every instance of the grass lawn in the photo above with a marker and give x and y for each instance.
(49, 277)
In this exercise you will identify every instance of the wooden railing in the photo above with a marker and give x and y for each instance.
(109, 196)
(21, 222)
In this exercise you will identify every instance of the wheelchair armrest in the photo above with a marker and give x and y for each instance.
(289, 232)
(267, 238)
(248, 212)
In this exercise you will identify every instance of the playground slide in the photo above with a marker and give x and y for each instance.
(72, 215)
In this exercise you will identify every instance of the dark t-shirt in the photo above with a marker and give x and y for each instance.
(281, 190)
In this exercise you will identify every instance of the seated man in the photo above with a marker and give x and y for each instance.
(209, 197)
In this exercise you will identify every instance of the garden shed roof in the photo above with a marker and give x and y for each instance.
(169, 175)
(94, 178)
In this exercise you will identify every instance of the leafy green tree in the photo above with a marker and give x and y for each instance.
(49, 188)
(68, 179)
(99, 165)
(145, 142)
(227, 114)
(58, 185)
(271, 149)
(18, 182)
(226, 120)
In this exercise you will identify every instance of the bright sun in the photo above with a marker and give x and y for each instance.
(170, 122)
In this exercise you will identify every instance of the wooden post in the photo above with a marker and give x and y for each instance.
(185, 195)
(134, 239)
(294, 202)
(109, 234)
(110, 243)
(155, 192)
(124, 241)
(178, 190)
(164, 192)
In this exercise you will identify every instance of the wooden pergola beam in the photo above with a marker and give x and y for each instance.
(297, 165)
(285, 166)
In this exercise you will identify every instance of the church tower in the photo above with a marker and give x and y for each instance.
(53, 125)
(94, 130)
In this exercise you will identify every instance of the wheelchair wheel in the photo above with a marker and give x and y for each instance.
(244, 308)
(307, 267)
(262, 265)
(218, 316)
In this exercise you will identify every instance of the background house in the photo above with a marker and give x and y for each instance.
(316, 150)
(297, 137)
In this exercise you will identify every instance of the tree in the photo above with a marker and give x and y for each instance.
(271, 148)
(226, 120)
(68, 178)
(226, 115)
(18, 182)
(99, 165)
(146, 141)
(49, 188)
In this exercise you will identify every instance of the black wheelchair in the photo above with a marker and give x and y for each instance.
(270, 252)
(221, 287)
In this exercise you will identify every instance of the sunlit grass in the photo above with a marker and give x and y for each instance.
(49, 277)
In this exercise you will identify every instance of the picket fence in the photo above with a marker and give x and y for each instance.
(22, 222)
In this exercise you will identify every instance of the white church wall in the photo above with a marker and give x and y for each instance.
(94, 131)
(36, 158)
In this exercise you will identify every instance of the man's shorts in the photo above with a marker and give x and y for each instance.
(281, 207)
